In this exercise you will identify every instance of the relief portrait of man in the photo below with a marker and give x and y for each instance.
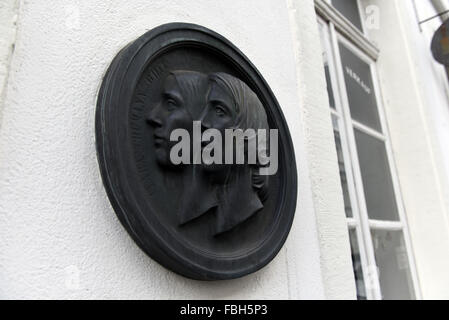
(181, 102)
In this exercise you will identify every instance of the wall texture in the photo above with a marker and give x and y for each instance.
(59, 237)
(411, 96)
(8, 17)
(320, 165)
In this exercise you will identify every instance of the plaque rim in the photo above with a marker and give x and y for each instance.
(112, 87)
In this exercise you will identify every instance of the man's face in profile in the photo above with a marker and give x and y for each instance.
(168, 114)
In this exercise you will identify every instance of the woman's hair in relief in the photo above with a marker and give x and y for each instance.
(193, 86)
(249, 114)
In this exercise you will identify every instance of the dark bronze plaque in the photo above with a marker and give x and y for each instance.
(203, 221)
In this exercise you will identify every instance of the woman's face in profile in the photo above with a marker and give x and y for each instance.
(170, 113)
(219, 114)
(220, 110)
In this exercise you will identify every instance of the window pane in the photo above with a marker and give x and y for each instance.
(329, 86)
(357, 265)
(376, 176)
(341, 167)
(359, 85)
(350, 10)
(392, 261)
(326, 69)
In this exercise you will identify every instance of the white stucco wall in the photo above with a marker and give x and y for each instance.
(436, 88)
(59, 237)
(414, 98)
(320, 163)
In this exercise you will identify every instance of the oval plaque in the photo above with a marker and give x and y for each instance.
(206, 221)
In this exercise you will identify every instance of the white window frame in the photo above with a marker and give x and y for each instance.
(338, 30)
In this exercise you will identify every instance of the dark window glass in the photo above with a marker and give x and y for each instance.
(376, 176)
(329, 86)
(359, 85)
(350, 10)
(392, 261)
(357, 265)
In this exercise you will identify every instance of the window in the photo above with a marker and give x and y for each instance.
(381, 253)
(350, 10)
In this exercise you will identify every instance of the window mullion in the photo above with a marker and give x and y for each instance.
(352, 222)
(385, 225)
(368, 130)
